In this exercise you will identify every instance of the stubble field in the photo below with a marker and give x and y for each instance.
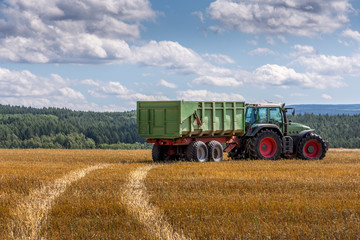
(119, 194)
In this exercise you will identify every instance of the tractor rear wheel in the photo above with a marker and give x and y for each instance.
(265, 145)
(197, 151)
(215, 150)
(311, 147)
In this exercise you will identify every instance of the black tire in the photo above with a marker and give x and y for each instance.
(197, 151)
(158, 153)
(215, 150)
(265, 145)
(311, 147)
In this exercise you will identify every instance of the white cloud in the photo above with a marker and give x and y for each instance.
(118, 90)
(217, 81)
(301, 50)
(281, 76)
(325, 96)
(90, 82)
(219, 58)
(71, 93)
(166, 54)
(110, 89)
(270, 40)
(351, 34)
(262, 51)
(177, 58)
(167, 84)
(205, 95)
(331, 65)
(279, 96)
(216, 29)
(25, 88)
(67, 31)
(88, 31)
(144, 97)
(281, 17)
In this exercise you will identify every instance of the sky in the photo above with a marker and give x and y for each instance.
(93, 55)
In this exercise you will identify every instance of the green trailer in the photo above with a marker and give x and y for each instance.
(180, 119)
(202, 131)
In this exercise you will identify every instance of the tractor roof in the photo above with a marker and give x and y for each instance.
(274, 105)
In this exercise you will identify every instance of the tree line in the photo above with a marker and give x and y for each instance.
(341, 131)
(26, 127)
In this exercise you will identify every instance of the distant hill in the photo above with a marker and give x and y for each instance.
(331, 109)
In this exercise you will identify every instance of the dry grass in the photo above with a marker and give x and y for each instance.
(31, 214)
(23, 173)
(286, 199)
(93, 209)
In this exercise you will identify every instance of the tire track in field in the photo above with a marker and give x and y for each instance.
(136, 198)
(31, 214)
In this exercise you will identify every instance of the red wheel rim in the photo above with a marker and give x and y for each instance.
(312, 149)
(267, 147)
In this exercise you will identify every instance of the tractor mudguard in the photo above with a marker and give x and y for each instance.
(257, 127)
(301, 135)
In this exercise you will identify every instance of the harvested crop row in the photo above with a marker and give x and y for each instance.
(31, 214)
(136, 198)
(93, 208)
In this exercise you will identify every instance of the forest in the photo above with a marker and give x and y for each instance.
(341, 131)
(26, 127)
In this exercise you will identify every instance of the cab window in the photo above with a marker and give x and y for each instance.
(256, 115)
(250, 115)
(262, 115)
(275, 115)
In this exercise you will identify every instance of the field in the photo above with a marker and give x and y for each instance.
(119, 194)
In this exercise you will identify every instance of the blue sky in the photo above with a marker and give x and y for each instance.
(106, 55)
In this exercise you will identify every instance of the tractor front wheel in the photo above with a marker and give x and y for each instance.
(311, 147)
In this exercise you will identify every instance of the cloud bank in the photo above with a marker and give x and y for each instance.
(70, 31)
(301, 18)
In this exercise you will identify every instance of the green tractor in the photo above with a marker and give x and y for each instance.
(270, 135)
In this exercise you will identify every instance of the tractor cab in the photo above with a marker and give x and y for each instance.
(275, 114)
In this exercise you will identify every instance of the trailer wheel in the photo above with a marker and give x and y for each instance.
(311, 147)
(215, 150)
(265, 145)
(158, 154)
(197, 151)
